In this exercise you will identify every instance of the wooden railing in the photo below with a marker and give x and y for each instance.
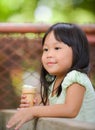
(42, 28)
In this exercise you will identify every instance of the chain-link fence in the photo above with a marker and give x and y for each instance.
(19, 60)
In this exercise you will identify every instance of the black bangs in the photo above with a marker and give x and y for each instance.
(64, 33)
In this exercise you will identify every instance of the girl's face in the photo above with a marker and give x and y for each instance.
(57, 57)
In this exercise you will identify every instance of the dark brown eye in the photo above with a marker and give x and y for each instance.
(57, 48)
(45, 49)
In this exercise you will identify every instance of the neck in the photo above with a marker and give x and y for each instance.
(57, 84)
(60, 77)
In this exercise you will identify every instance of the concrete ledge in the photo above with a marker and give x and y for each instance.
(63, 124)
(6, 114)
(46, 123)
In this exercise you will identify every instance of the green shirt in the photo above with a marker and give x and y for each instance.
(87, 111)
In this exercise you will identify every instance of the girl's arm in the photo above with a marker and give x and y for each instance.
(74, 98)
(70, 108)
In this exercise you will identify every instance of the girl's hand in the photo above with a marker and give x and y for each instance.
(24, 102)
(20, 118)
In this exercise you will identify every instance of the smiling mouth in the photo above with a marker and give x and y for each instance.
(51, 63)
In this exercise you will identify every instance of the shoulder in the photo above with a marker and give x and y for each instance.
(77, 77)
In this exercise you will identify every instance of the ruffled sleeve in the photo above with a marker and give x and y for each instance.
(76, 77)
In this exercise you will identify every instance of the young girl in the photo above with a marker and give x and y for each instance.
(66, 90)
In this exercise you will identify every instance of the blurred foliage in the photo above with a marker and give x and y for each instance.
(17, 10)
(51, 11)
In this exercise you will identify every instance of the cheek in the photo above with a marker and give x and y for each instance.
(71, 56)
(43, 62)
(43, 59)
(68, 58)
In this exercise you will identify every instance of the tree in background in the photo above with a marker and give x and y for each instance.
(50, 11)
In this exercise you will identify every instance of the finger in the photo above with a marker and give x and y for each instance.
(18, 126)
(14, 119)
(12, 122)
(24, 101)
(34, 101)
(23, 96)
(24, 105)
(18, 109)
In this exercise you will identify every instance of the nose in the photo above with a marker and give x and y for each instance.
(50, 54)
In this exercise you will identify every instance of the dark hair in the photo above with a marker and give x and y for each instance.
(74, 37)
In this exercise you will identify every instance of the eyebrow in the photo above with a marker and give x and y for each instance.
(54, 43)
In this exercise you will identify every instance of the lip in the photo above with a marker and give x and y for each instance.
(50, 63)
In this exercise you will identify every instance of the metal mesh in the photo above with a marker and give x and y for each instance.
(19, 60)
